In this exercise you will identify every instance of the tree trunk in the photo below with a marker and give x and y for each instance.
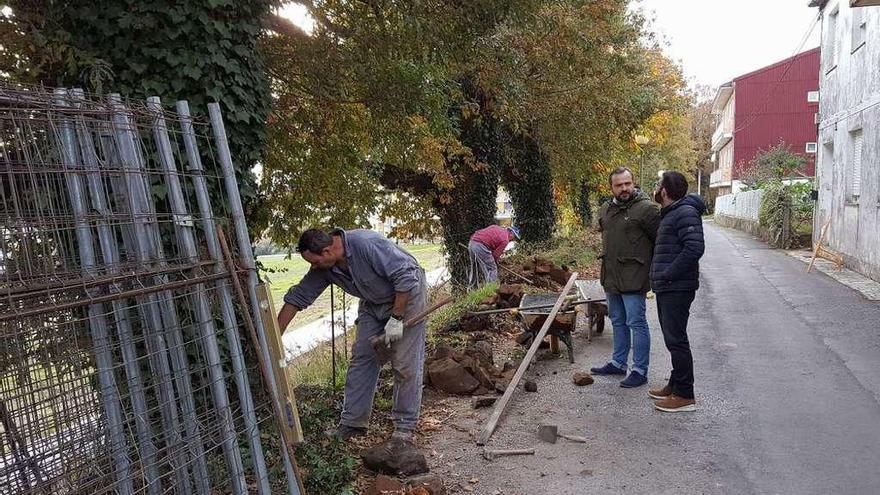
(583, 207)
(527, 177)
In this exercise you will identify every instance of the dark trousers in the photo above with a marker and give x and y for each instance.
(674, 308)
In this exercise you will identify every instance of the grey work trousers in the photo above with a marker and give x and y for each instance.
(482, 263)
(407, 362)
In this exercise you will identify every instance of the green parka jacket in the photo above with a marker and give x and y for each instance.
(629, 230)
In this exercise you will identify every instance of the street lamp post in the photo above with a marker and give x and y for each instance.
(641, 141)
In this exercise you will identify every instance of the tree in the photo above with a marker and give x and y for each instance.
(201, 51)
(775, 163)
(441, 100)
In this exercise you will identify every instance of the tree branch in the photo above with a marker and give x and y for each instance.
(393, 177)
(282, 26)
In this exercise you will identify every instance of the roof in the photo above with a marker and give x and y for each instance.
(721, 97)
(777, 64)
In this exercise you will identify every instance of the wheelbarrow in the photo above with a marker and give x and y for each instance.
(596, 307)
(534, 310)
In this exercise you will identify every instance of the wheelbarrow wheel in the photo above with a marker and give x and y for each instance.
(600, 323)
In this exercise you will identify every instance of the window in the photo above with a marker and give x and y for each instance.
(831, 48)
(811, 148)
(812, 96)
(854, 175)
(858, 28)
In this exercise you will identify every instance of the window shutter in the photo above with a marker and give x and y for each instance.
(858, 145)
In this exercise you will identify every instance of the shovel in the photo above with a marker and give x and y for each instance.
(377, 342)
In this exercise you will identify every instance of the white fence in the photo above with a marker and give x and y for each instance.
(743, 205)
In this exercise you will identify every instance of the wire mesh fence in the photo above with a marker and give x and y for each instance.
(124, 366)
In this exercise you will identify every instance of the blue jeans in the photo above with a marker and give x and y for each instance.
(627, 313)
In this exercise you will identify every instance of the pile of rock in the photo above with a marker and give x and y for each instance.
(470, 371)
(507, 296)
(542, 272)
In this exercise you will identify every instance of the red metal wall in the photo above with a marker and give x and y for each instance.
(771, 105)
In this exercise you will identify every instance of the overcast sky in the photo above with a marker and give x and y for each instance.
(717, 40)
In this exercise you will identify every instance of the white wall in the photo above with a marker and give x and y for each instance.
(742, 206)
(849, 104)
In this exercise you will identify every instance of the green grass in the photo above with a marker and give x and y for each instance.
(457, 309)
(283, 272)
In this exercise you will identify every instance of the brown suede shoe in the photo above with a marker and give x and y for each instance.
(660, 393)
(674, 403)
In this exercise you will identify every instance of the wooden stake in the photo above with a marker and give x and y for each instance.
(249, 323)
(818, 244)
(508, 392)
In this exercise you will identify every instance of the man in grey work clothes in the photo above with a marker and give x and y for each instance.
(391, 287)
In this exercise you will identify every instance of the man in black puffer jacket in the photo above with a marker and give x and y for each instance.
(675, 278)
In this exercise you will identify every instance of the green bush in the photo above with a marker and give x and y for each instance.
(785, 211)
(328, 465)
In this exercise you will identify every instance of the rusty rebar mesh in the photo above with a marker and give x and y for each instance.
(113, 377)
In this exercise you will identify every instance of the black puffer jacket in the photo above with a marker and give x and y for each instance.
(679, 246)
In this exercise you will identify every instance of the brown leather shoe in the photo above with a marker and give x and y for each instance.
(660, 393)
(674, 403)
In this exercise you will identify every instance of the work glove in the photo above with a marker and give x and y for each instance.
(393, 330)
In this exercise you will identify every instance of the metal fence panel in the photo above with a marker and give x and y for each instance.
(122, 368)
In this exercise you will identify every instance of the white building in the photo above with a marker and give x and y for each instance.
(848, 162)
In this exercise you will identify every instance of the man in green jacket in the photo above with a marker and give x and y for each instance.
(629, 225)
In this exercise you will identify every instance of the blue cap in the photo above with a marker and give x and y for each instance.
(515, 231)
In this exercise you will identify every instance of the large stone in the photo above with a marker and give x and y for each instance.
(395, 457)
(474, 323)
(559, 275)
(451, 377)
(430, 484)
(542, 267)
(484, 353)
(484, 378)
(491, 300)
(510, 295)
(444, 351)
(383, 485)
(581, 378)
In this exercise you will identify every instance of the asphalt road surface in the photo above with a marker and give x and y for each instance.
(788, 392)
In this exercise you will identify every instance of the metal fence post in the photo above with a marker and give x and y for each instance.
(142, 237)
(97, 319)
(226, 304)
(247, 258)
(110, 256)
(183, 226)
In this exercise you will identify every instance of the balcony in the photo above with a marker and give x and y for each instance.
(720, 177)
(720, 139)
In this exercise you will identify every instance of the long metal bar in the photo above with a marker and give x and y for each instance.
(180, 284)
(115, 278)
(98, 326)
(247, 257)
(143, 238)
(183, 227)
(176, 342)
(227, 308)
(110, 255)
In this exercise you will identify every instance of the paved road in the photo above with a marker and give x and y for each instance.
(787, 383)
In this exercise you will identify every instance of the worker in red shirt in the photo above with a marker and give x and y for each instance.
(485, 247)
